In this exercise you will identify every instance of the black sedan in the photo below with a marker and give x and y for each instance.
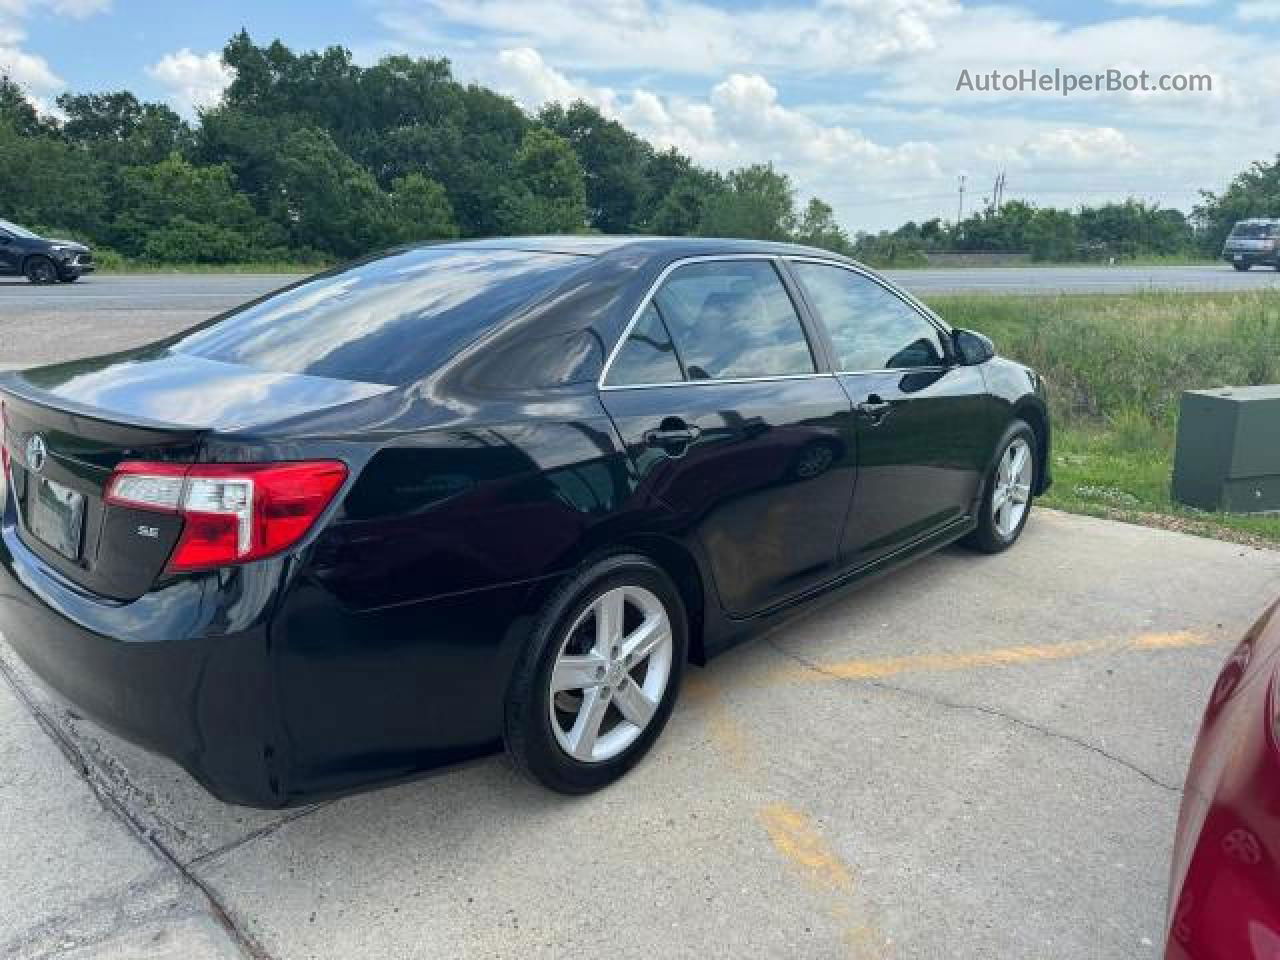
(27, 254)
(493, 492)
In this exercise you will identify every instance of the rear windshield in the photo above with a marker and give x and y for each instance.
(1255, 231)
(391, 320)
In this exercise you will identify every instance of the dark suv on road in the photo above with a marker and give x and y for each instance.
(41, 260)
(1251, 242)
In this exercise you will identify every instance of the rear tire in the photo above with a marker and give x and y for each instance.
(41, 270)
(599, 677)
(1007, 494)
(1242, 267)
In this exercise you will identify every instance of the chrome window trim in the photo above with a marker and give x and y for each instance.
(927, 315)
(775, 259)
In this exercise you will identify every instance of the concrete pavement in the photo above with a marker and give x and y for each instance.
(976, 757)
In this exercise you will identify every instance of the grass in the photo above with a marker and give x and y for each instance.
(1116, 366)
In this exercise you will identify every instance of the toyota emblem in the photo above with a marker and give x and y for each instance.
(37, 453)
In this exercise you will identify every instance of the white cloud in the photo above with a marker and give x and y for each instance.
(686, 36)
(1255, 11)
(29, 70)
(1082, 147)
(192, 80)
(80, 9)
(1164, 4)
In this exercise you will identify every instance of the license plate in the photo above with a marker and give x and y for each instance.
(1239, 256)
(57, 517)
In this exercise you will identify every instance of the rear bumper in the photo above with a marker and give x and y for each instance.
(272, 697)
(1252, 257)
(157, 671)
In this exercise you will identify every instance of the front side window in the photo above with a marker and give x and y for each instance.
(870, 327)
(733, 319)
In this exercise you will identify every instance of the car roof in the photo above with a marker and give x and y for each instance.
(598, 245)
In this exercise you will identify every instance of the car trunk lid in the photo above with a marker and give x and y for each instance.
(67, 427)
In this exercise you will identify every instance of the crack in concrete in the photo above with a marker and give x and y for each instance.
(264, 831)
(89, 774)
(948, 704)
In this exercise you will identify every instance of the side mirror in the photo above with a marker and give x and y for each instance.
(972, 348)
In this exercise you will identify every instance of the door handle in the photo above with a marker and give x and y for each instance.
(673, 435)
(875, 410)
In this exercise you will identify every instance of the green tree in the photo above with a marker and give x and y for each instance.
(327, 201)
(547, 193)
(1253, 193)
(818, 228)
(613, 163)
(168, 206)
(758, 202)
(683, 206)
(420, 210)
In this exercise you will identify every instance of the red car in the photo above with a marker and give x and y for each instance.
(1224, 896)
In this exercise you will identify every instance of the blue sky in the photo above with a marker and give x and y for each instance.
(856, 99)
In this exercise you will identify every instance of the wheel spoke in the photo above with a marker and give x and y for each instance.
(1000, 497)
(645, 639)
(586, 728)
(1021, 492)
(1004, 518)
(633, 703)
(1019, 462)
(609, 614)
(578, 673)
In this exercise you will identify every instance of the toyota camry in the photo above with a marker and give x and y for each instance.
(457, 497)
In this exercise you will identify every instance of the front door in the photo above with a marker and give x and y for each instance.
(718, 397)
(923, 433)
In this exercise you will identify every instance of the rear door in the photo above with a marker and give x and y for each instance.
(729, 416)
(923, 422)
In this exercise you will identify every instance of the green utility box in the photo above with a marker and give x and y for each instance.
(1229, 449)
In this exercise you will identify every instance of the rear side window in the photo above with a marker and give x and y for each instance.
(390, 320)
(648, 356)
(1255, 231)
(733, 319)
(870, 327)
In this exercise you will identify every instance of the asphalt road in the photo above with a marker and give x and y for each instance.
(976, 757)
(102, 313)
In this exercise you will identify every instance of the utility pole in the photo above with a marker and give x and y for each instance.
(960, 216)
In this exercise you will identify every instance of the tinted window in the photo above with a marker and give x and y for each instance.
(1254, 231)
(872, 329)
(647, 356)
(733, 319)
(391, 320)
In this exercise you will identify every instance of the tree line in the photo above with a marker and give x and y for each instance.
(310, 157)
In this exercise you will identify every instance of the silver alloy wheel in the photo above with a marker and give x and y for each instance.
(610, 674)
(1012, 494)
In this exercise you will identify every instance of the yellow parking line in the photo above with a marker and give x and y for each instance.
(795, 837)
(875, 668)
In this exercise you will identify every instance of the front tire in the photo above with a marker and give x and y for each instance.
(1242, 267)
(1006, 500)
(599, 677)
(41, 270)
(69, 278)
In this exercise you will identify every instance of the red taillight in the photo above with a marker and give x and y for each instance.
(233, 512)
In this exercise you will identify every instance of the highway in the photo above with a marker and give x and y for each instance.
(101, 313)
